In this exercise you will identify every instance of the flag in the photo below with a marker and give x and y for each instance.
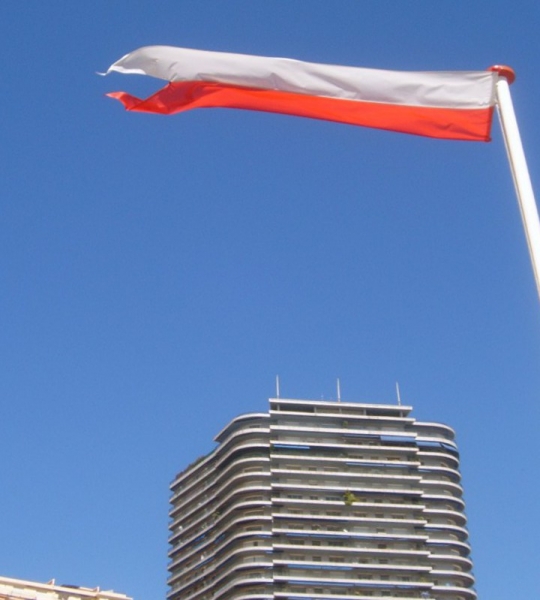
(455, 105)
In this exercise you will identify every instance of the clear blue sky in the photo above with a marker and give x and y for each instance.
(156, 273)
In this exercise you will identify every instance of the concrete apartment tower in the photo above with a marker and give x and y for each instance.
(322, 500)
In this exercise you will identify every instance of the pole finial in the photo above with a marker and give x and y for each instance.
(504, 71)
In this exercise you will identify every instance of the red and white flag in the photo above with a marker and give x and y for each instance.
(455, 105)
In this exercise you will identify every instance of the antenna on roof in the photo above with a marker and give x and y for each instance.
(398, 394)
(338, 390)
(277, 386)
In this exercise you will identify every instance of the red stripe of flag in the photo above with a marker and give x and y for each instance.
(445, 123)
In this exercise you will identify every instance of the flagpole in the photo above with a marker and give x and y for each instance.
(518, 166)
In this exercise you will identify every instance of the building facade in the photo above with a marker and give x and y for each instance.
(20, 589)
(319, 500)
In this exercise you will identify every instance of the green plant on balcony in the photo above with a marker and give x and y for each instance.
(350, 498)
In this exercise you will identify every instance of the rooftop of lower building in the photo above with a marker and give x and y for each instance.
(21, 589)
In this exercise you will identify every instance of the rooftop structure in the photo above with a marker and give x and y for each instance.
(322, 500)
(19, 589)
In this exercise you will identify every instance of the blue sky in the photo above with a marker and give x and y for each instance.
(156, 273)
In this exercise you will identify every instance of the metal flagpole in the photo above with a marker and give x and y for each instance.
(518, 165)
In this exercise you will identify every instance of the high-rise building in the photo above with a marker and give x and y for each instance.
(20, 589)
(322, 500)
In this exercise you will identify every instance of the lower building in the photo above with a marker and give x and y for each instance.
(319, 500)
(19, 589)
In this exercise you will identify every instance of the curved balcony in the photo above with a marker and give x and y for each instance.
(432, 500)
(438, 429)
(429, 460)
(249, 466)
(219, 457)
(309, 444)
(235, 582)
(379, 534)
(354, 550)
(245, 421)
(345, 521)
(432, 515)
(436, 442)
(458, 578)
(216, 574)
(344, 594)
(209, 476)
(294, 476)
(228, 488)
(214, 532)
(437, 470)
(447, 530)
(370, 588)
(450, 592)
(208, 539)
(224, 511)
(339, 490)
(449, 543)
(244, 543)
(259, 434)
(461, 562)
(431, 478)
